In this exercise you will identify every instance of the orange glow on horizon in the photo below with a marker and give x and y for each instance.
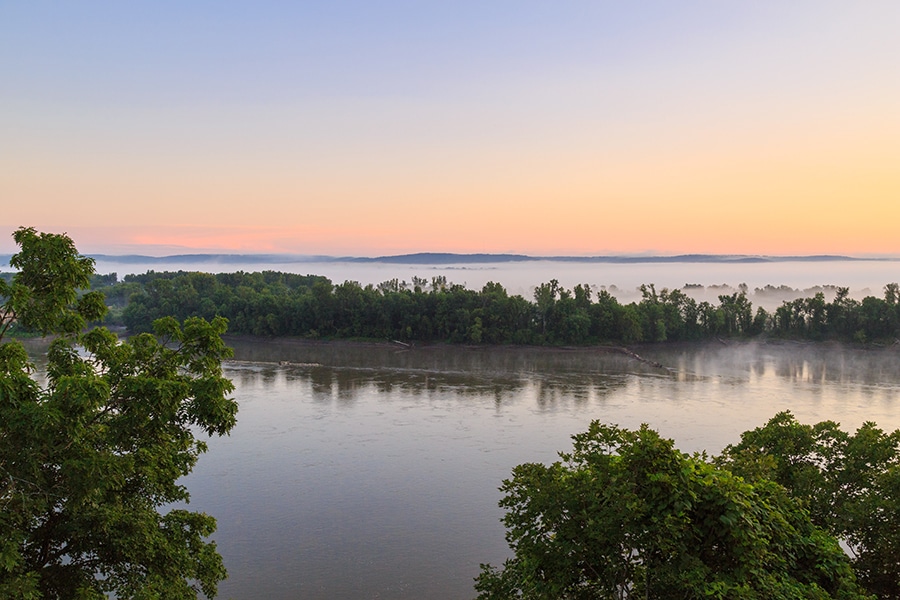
(804, 189)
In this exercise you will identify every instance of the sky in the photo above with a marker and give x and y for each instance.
(372, 128)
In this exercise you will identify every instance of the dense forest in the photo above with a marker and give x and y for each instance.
(272, 303)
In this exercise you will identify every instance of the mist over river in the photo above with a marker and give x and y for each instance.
(368, 471)
(862, 277)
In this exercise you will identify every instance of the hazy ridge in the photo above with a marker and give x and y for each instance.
(444, 258)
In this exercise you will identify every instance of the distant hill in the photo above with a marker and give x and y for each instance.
(447, 258)
(211, 258)
(444, 258)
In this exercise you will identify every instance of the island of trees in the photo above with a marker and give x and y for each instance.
(272, 303)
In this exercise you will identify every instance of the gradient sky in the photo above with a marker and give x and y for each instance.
(372, 128)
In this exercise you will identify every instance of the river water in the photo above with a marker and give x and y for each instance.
(370, 471)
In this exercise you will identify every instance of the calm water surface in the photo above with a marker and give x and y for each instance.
(372, 472)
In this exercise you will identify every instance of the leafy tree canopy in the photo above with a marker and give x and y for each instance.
(626, 515)
(88, 459)
(849, 483)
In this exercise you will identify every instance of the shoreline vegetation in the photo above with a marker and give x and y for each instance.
(276, 304)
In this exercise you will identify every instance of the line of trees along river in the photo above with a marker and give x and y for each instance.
(271, 303)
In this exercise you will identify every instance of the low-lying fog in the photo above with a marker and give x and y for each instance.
(768, 284)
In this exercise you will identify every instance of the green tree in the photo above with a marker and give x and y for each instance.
(89, 460)
(545, 297)
(737, 313)
(626, 515)
(652, 312)
(849, 483)
(605, 317)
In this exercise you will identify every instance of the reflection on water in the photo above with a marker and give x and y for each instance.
(370, 471)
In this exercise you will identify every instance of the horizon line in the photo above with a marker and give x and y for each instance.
(471, 258)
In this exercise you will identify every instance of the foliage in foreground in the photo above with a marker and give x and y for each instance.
(626, 515)
(849, 483)
(88, 460)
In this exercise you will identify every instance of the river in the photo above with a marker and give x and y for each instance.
(370, 471)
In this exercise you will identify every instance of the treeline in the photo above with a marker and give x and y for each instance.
(271, 303)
